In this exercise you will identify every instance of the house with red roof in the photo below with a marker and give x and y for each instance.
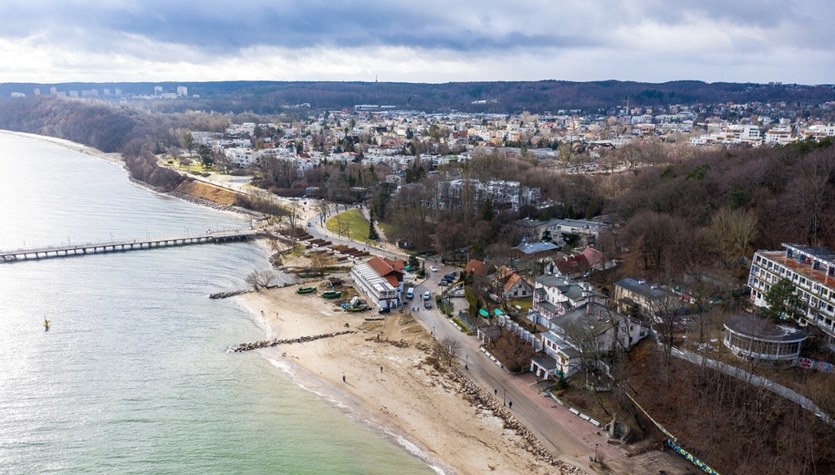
(380, 280)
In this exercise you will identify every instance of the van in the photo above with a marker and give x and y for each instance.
(410, 293)
(426, 295)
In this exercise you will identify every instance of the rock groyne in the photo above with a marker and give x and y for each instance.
(255, 345)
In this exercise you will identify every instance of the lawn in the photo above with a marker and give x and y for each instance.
(350, 224)
(195, 166)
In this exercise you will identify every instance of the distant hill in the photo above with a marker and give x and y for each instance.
(489, 97)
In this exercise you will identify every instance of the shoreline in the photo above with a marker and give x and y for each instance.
(392, 386)
(116, 158)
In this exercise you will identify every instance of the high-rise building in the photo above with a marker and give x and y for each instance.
(182, 91)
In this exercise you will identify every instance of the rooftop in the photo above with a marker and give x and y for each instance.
(642, 288)
(763, 329)
(537, 247)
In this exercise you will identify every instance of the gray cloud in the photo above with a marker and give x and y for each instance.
(656, 30)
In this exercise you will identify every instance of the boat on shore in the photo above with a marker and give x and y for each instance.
(305, 290)
(355, 305)
(331, 294)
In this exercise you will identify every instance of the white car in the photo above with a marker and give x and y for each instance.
(433, 269)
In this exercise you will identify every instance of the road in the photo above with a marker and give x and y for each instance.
(560, 432)
(527, 403)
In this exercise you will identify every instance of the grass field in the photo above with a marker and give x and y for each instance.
(350, 224)
(193, 167)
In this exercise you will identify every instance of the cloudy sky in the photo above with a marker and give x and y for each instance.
(417, 41)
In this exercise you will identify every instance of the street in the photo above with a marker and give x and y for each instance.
(559, 433)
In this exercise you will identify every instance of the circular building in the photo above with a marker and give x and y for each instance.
(763, 341)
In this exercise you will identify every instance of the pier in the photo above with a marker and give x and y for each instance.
(69, 250)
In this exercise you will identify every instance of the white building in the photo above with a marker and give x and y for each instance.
(811, 270)
(584, 333)
(380, 281)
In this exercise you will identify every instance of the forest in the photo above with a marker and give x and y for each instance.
(501, 97)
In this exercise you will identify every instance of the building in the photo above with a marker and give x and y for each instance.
(586, 332)
(811, 270)
(554, 296)
(762, 341)
(381, 281)
(649, 299)
(503, 195)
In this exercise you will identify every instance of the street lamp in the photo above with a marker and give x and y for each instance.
(595, 453)
(504, 397)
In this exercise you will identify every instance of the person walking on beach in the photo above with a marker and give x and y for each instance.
(510, 404)
(343, 378)
(381, 369)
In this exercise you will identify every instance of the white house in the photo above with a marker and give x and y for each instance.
(586, 332)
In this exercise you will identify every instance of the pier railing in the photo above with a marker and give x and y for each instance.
(81, 249)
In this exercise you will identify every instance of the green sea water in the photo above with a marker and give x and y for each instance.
(132, 376)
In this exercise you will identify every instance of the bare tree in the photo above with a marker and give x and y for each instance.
(259, 279)
(447, 350)
(734, 230)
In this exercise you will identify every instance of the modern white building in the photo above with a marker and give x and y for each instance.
(811, 270)
(380, 281)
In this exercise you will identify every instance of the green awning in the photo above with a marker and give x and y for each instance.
(484, 313)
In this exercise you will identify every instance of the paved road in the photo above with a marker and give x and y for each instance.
(552, 425)
(560, 432)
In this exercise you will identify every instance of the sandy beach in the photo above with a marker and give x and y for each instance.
(389, 381)
(110, 157)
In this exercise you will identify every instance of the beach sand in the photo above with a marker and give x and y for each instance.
(388, 380)
(110, 157)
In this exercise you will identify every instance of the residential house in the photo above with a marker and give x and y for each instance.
(648, 299)
(556, 295)
(573, 266)
(478, 268)
(516, 287)
(585, 333)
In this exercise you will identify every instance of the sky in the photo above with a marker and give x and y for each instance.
(435, 41)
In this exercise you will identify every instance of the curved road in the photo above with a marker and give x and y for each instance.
(560, 432)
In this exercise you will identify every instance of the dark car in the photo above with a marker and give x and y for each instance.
(427, 304)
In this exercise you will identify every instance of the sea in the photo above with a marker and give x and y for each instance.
(133, 376)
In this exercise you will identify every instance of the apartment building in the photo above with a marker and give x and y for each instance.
(811, 270)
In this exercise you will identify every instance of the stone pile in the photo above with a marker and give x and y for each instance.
(255, 345)
(231, 293)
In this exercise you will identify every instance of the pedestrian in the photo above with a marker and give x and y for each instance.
(495, 392)
(381, 369)
(343, 378)
(510, 404)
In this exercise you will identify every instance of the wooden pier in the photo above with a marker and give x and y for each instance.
(37, 253)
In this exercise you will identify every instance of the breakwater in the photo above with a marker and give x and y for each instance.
(255, 345)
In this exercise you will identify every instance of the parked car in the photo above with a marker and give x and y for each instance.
(433, 269)
(427, 304)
